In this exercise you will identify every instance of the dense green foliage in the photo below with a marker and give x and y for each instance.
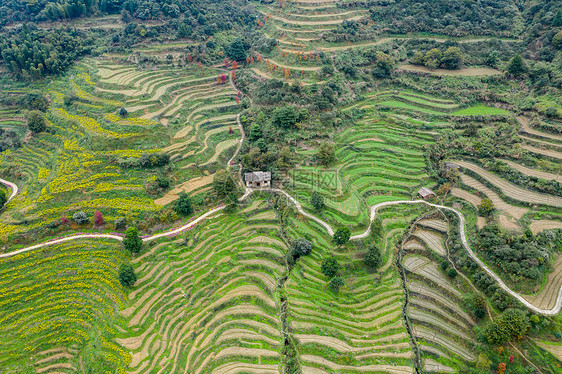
(36, 121)
(521, 258)
(330, 267)
(33, 53)
(342, 235)
(132, 241)
(183, 204)
(511, 324)
(127, 276)
(3, 198)
(373, 257)
(317, 200)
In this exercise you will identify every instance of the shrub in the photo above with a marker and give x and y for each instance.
(377, 228)
(373, 257)
(432, 58)
(285, 116)
(3, 198)
(132, 241)
(330, 267)
(326, 154)
(98, 218)
(335, 283)
(80, 218)
(120, 223)
(316, 200)
(162, 182)
(223, 183)
(452, 58)
(342, 235)
(486, 207)
(36, 121)
(127, 276)
(517, 66)
(512, 323)
(183, 205)
(302, 247)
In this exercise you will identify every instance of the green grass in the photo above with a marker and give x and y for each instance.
(481, 110)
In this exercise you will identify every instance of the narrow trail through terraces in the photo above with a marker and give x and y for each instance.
(248, 192)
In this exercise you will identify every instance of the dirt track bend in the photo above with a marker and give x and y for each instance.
(555, 310)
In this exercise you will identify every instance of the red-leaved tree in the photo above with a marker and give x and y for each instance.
(501, 368)
(98, 218)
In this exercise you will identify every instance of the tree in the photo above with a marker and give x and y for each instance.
(486, 207)
(3, 198)
(452, 58)
(236, 51)
(516, 66)
(517, 321)
(123, 112)
(557, 21)
(557, 40)
(335, 283)
(417, 58)
(384, 66)
(132, 241)
(183, 204)
(98, 218)
(302, 247)
(493, 59)
(512, 323)
(80, 218)
(316, 200)
(127, 276)
(377, 228)
(432, 58)
(373, 257)
(330, 267)
(223, 183)
(342, 235)
(285, 116)
(326, 154)
(36, 121)
(452, 272)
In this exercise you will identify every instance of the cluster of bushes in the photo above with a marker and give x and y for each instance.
(145, 161)
(452, 58)
(299, 247)
(524, 259)
(9, 139)
(454, 18)
(330, 268)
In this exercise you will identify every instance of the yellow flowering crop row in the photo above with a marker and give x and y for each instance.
(91, 125)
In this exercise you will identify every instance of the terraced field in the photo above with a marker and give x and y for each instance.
(11, 119)
(209, 303)
(360, 328)
(183, 112)
(511, 190)
(57, 308)
(442, 328)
